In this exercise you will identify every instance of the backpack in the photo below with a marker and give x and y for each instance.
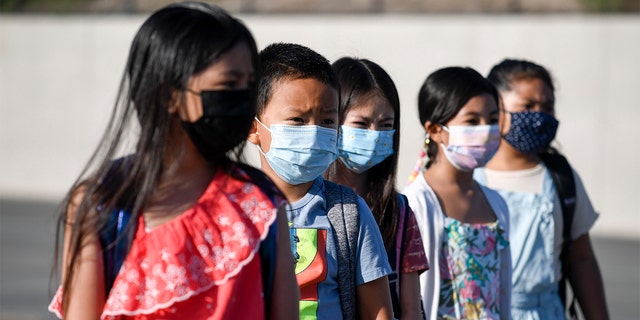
(115, 245)
(342, 212)
(395, 279)
(563, 180)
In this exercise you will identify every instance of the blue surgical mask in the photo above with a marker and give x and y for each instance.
(299, 154)
(531, 132)
(361, 149)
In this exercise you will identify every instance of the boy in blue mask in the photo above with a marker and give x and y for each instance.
(296, 133)
(550, 218)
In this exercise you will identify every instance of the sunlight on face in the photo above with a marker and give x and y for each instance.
(233, 70)
(479, 110)
(373, 113)
(299, 102)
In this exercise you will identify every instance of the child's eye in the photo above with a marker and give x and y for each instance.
(297, 120)
(472, 122)
(231, 84)
(226, 85)
(548, 108)
(360, 123)
(328, 121)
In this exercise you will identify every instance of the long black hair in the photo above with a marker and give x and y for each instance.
(445, 92)
(360, 79)
(173, 44)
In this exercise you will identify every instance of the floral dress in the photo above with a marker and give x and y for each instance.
(202, 264)
(470, 270)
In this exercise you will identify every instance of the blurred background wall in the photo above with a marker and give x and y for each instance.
(61, 62)
(59, 76)
(333, 6)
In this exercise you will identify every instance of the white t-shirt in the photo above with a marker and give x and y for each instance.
(531, 181)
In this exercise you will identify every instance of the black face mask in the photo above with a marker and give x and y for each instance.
(225, 122)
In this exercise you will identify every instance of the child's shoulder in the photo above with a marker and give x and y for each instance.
(418, 186)
(337, 193)
(497, 203)
(257, 177)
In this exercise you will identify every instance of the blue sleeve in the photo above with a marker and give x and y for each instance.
(372, 262)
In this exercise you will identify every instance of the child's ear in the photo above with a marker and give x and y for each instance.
(434, 130)
(253, 136)
(174, 103)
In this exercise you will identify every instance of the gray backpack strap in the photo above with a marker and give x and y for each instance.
(342, 211)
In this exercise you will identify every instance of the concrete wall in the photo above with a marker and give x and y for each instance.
(59, 76)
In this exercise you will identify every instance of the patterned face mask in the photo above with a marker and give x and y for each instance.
(531, 132)
(361, 149)
(299, 154)
(471, 146)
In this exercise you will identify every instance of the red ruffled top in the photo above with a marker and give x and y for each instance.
(200, 265)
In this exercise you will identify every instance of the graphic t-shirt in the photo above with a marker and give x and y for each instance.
(314, 249)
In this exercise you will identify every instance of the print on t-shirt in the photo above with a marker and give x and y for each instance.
(309, 250)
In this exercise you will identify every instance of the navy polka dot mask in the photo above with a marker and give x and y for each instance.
(531, 132)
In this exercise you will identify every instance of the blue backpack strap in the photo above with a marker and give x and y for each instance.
(342, 212)
(115, 245)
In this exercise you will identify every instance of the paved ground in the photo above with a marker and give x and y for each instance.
(26, 254)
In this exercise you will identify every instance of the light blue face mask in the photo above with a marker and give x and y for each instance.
(361, 149)
(299, 154)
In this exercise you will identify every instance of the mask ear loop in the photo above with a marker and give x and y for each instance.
(420, 162)
(257, 145)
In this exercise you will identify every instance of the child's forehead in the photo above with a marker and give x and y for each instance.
(289, 81)
(293, 91)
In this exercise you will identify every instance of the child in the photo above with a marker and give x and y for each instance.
(198, 218)
(464, 226)
(368, 147)
(538, 227)
(296, 133)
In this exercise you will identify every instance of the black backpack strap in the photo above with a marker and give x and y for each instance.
(268, 247)
(342, 212)
(563, 180)
(267, 254)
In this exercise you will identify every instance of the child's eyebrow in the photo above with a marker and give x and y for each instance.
(387, 118)
(475, 113)
(234, 73)
(330, 110)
